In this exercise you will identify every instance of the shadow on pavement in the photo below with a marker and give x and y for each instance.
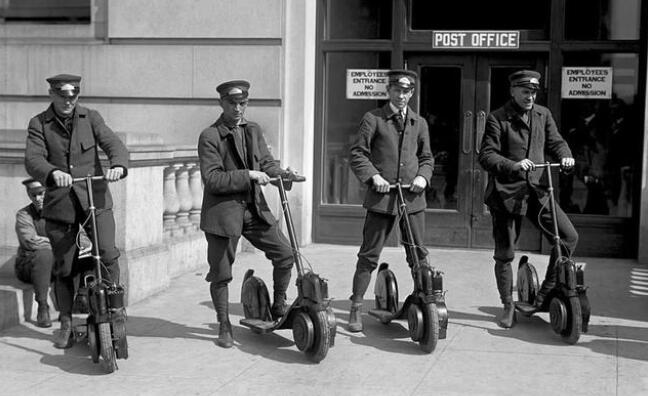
(627, 342)
(75, 360)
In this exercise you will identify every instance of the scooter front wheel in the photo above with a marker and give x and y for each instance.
(106, 349)
(572, 330)
(93, 345)
(430, 337)
(322, 336)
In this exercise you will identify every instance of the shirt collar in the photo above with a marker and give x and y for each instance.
(395, 110)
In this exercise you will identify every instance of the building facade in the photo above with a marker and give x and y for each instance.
(315, 66)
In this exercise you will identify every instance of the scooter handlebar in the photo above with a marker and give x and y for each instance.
(82, 179)
(287, 179)
(403, 186)
(549, 165)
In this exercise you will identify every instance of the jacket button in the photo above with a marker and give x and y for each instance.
(71, 166)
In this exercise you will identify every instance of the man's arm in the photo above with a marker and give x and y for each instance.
(36, 162)
(555, 145)
(361, 150)
(267, 163)
(26, 232)
(110, 143)
(216, 178)
(490, 157)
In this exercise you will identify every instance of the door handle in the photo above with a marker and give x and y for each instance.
(481, 127)
(467, 132)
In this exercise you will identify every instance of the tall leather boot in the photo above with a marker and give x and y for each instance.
(504, 278)
(279, 305)
(220, 295)
(355, 317)
(43, 315)
(507, 319)
(64, 338)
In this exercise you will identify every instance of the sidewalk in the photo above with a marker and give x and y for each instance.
(172, 345)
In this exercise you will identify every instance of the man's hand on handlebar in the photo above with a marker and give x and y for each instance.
(380, 184)
(114, 174)
(524, 165)
(61, 179)
(418, 184)
(259, 177)
(567, 163)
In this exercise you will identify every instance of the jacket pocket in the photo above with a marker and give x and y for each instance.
(87, 145)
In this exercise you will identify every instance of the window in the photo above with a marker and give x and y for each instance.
(359, 19)
(531, 17)
(602, 19)
(45, 11)
(342, 118)
(601, 134)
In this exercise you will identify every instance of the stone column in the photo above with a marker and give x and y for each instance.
(196, 189)
(171, 202)
(184, 197)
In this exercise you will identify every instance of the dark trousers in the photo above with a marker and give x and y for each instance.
(376, 229)
(221, 251)
(506, 231)
(36, 268)
(63, 236)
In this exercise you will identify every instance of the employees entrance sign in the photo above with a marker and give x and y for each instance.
(366, 84)
(586, 83)
(476, 39)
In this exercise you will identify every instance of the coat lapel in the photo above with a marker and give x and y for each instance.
(228, 135)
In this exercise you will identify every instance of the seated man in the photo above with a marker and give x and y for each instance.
(34, 259)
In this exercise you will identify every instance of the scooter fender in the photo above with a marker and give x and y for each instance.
(425, 283)
(98, 303)
(314, 288)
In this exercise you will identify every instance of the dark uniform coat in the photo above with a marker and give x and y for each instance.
(507, 140)
(51, 147)
(376, 151)
(227, 184)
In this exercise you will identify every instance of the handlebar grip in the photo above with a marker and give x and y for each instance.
(289, 178)
(404, 186)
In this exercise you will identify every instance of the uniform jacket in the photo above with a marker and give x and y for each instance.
(227, 184)
(377, 151)
(51, 147)
(507, 140)
(30, 230)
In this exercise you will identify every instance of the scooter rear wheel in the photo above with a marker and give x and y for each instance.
(317, 352)
(106, 349)
(428, 341)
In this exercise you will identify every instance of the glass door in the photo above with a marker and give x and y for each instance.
(455, 95)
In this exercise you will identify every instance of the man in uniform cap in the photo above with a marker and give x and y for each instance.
(63, 143)
(392, 146)
(519, 135)
(34, 258)
(234, 163)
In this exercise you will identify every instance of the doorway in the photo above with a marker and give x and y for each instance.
(455, 95)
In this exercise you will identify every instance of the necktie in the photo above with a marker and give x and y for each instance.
(240, 142)
(400, 121)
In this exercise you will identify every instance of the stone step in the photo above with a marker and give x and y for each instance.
(17, 303)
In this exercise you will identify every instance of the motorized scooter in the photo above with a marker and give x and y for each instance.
(424, 308)
(567, 303)
(310, 316)
(103, 301)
